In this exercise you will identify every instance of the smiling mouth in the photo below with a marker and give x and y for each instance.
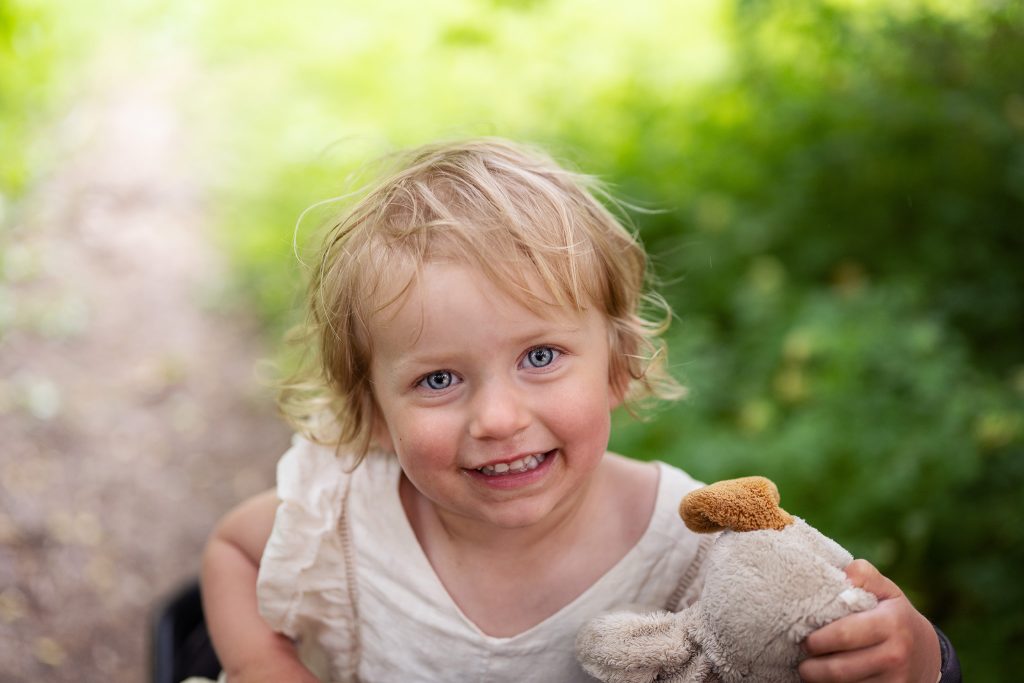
(530, 462)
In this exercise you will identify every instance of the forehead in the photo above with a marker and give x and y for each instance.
(400, 282)
(446, 303)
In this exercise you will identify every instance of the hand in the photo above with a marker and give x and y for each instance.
(891, 642)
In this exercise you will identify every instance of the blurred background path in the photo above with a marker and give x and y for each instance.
(130, 416)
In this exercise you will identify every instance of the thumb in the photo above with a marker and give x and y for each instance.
(863, 574)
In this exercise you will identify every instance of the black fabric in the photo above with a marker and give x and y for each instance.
(950, 663)
(180, 644)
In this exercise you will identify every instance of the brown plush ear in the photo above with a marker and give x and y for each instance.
(745, 504)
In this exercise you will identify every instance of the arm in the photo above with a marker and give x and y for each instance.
(950, 662)
(891, 642)
(249, 651)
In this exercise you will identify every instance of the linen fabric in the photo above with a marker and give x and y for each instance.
(344, 575)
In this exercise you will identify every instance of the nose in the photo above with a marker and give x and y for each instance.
(499, 411)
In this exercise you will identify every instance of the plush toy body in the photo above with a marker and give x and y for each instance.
(771, 579)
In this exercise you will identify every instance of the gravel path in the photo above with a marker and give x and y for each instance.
(130, 417)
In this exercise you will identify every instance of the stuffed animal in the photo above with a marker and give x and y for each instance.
(771, 579)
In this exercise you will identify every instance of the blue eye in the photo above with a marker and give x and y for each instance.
(438, 381)
(541, 356)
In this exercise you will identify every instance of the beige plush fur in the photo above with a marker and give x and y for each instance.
(771, 580)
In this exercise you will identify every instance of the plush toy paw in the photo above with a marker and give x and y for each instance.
(771, 579)
(623, 647)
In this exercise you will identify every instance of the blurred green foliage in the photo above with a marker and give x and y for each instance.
(25, 61)
(300, 99)
(44, 54)
(845, 246)
(837, 195)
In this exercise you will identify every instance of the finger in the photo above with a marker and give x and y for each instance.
(852, 632)
(855, 665)
(863, 574)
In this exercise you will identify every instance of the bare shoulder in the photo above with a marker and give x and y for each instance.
(249, 524)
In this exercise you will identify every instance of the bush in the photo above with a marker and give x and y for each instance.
(25, 65)
(844, 245)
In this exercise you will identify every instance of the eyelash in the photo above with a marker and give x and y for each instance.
(426, 378)
(454, 379)
(555, 353)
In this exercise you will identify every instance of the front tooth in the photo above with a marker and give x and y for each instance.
(516, 464)
(501, 468)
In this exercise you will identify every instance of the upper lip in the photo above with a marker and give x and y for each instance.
(509, 459)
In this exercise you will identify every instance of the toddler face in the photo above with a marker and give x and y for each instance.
(496, 413)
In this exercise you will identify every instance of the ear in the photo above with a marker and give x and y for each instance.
(745, 504)
(380, 433)
(617, 389)
(619, 375)
(383, 441)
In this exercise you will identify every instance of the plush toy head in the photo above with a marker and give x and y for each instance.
(771, 579)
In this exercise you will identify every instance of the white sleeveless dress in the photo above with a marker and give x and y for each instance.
(344, 575)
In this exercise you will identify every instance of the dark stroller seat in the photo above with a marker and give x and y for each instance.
(180, 645)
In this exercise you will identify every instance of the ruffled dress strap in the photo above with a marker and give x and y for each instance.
(676, 484)
(306, 586)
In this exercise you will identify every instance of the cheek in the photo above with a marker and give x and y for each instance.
(584, 416)
(427, 451)
(421, 440)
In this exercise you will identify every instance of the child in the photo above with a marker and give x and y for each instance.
(449, 511)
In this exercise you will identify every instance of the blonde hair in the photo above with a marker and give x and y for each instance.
(505, 209)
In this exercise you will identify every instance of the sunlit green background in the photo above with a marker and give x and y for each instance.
(834, 195)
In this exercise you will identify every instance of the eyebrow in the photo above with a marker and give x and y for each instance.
(406, 362)
(540, 332)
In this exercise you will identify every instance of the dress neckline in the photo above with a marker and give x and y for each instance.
(430, 581)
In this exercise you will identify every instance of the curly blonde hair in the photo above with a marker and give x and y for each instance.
(506, 209)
